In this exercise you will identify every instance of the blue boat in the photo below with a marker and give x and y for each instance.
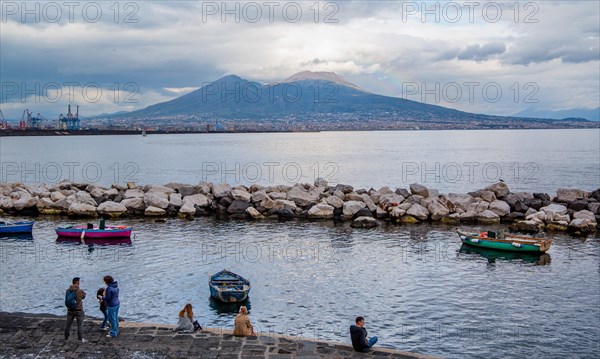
(229, 287)
(16, 227)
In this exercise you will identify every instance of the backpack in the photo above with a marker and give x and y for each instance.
(71, 299)
(197, 326)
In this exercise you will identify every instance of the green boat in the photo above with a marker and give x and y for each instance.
(505, 242)
(494, 255)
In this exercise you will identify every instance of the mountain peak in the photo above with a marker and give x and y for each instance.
(231, 77)
(321, 76)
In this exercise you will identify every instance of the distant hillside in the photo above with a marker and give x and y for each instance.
(303, 96)
(590, 114)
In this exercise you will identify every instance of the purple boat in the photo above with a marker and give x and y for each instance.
(83, 232)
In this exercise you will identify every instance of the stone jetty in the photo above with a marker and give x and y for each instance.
(42, 336)
(573, 210)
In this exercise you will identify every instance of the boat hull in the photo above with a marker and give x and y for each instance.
(229, 287)
(229, 296)
(502, 246)
(94, 233)
(16, 228)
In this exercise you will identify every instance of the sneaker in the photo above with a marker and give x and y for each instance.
(103, 328)
(83, 340)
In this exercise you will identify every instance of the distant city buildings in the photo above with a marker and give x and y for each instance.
(327, 122)
(366, 121)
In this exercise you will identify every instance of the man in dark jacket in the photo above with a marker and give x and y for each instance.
(358, 334)
(76, 312)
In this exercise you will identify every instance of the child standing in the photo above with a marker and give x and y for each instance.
(99, 295)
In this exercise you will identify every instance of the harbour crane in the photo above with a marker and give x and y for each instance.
(34, 122)
(24, 119)
(28, 121)
(41, 118)
(70, 122)
(3, 122)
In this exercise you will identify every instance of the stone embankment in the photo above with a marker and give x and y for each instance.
(573, 210)
(42, 336)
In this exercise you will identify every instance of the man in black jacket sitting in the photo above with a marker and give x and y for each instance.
(358, 334)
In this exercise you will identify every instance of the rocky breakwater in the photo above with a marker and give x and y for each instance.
(572, 210)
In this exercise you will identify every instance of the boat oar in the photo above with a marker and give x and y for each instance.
(82, 237)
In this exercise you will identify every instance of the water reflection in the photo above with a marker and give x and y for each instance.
(95, 242)
(16, 237)
(92, 243)
(492, 255)
(220, 308)
(418, 233)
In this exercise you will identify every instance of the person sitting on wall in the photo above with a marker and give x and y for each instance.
(358, 335)
(243, 328)
(186, 319)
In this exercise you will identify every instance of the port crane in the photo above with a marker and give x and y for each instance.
(26, 116)
(29, 122)
(69, 122)
(3, 122)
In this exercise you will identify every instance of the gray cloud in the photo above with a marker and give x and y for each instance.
(566, 31)
(474, 52)
(530, 51)
(449, 54)
(172, 47)
(484, 52)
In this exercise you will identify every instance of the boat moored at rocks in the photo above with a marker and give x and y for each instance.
(7, 227)
(94, 232)
(506, 242)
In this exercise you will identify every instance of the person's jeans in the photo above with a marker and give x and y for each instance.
(105, 318)
(71, 315)
(372, 342)
(113, 319)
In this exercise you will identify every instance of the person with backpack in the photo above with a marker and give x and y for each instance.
(111, 298)
(102, 303)
(73, 301)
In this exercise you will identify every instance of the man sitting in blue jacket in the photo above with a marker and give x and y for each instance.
(358, 334)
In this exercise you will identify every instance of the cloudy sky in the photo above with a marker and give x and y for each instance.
(485, 57)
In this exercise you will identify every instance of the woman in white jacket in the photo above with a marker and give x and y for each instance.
(186, 319)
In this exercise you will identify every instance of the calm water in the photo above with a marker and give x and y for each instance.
(451, 161)
(417, 287)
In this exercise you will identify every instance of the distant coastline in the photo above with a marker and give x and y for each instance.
(36, 132)
(105, 132)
